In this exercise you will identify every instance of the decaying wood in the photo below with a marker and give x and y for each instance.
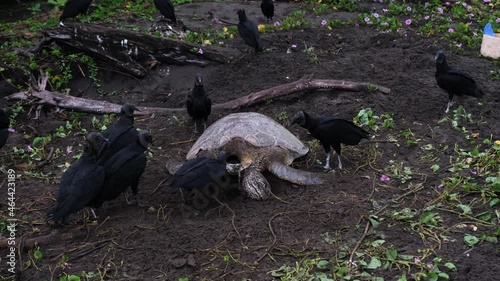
(131, 51)
(28, 243)
(306, 83)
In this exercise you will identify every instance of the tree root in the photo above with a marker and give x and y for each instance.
(306, 83)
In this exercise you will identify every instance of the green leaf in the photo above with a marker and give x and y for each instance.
(183, 279)
(427, 218)
(466, 209)
(37, 140)
(73, 278)
(443, 275)
(391, 254)
(435, 168)
(491, 239)
(406, 257)
(471, 240)
(486, 216)
(450, 266)
(494, 201)
(322, 264)
(432, 276)
(474, 153)
(38, 254)
(374, 263)
(402, 278)
(377, 243)
(373, 221)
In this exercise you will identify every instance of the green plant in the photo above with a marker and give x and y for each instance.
(307, 269)
(399, 171)
(312, 55)
(283, 118)
(410, 137)
(58, 3)
(366, 117)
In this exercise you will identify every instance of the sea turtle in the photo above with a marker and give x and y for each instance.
(260, 144)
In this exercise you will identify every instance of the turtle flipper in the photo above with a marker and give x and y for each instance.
(254, 184)
(292, 175)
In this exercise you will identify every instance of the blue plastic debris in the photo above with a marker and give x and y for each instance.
(488, 30)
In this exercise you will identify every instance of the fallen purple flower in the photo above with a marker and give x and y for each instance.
(384, 178)
(66, 266)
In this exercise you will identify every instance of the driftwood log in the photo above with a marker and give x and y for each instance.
(43, 97)
(131, 51)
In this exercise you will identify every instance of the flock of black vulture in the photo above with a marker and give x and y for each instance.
(114, 159)
(111, 162)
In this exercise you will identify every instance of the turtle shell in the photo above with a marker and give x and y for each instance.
(255, 128)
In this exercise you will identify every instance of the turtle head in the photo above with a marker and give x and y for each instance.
(299, 118)
(254, 184)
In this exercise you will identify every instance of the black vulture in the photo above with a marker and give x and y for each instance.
(249, 32)
(198, 104)
(454, 82)
(166, 8)
(124, 169)
(198, 173)
(267, 7)
(74, 8)
(81, 182)
(4, 126)
(119, 135)
(331, 131)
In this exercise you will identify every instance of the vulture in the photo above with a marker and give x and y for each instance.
(454, 82)
(249, 32)
(74, 8)
(124, 169)
(166, 8)
(331, 132)
(119, 135)
(198, 173)
(267, 8)
(80, 183)
(198, 104)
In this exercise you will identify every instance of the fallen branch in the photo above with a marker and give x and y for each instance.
(131, 51)
(29, 243)
(306, 83)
